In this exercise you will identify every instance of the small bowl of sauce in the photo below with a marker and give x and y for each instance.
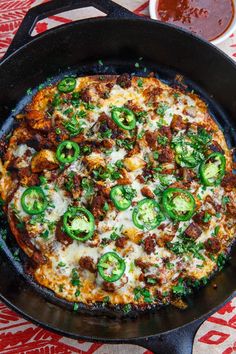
(213, 20)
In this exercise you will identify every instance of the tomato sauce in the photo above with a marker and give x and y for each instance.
(207, 18)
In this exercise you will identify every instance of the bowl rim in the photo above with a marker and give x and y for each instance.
(225, 35)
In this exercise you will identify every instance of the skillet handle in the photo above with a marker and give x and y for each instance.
(37, 13)
(179, 341)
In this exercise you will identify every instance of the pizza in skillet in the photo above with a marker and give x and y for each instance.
(120, 190)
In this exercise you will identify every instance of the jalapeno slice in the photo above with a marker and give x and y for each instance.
(67, 152)
(147, 215)
(212, 170)
(67, 84)
(34, 201)
(120, 198)
(111, 267)
(124, 118)
(79, 223)
(187, 155)
(178, 204)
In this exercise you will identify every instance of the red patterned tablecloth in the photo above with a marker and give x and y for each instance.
(216, 335)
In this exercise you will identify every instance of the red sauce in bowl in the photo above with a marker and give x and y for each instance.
(207, 18)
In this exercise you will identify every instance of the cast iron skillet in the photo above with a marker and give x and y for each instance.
(119, 40)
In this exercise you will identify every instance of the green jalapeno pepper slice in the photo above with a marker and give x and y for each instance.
(147, 214)
(120, 198)
(67, 84)
(212, 170)
(187, 155)
(111, 267)
(67, 152)
(34, 201)
(124, 118)
(178, 204)
(79, 223)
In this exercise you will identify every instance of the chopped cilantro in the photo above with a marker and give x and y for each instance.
(141, 134)
(140, 83)
(119, 164)
(155, 155)
(221, 260)
(75, 280)
(207, 217)
(225, 200)
(16, 255)
(77, 293)
(180, 289)
(162, 108)
(43, 180)
(176, 95)
(186, 245)
(114, 236)
(162, 140)
(216, 230)
(105, 207)
(143, 292)
(125, 143)
(127, 308)
(76, 306)
(44, 235)
(106, 300)
(88, 187)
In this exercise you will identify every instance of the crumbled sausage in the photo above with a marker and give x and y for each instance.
(187, 175)
(124, 81)
(28, 178)
(85, 95)
(231, 208)
(108, 143)
(199, 219)
(110, 287)
(229, 181)
(97, 206)
(61, 236)
(166, 155)
(150, 243)
(133, 107)
(107, 123)
(164, 239)
(121, 242)
(140, 178)
(151, 139)
(177, 123)
(143, 265)
(216, 206)
(38, 258)
(193, 231)
(134, 151)
(87, 263)
(146, 192)
(212, 245)
(151, 93)
(166, 131)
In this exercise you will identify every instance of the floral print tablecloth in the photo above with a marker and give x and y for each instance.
(18, 336)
